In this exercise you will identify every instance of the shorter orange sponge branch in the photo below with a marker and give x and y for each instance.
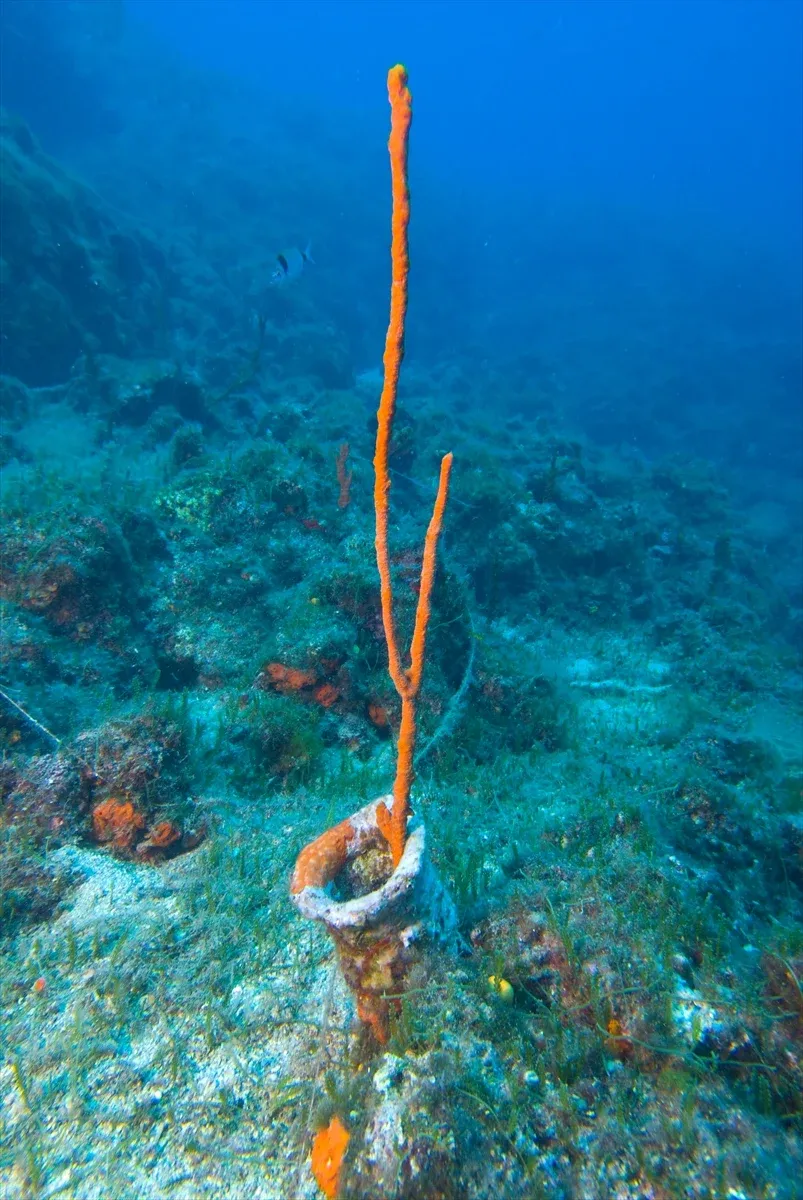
(406, 681)
(418, 645)
(394, 825)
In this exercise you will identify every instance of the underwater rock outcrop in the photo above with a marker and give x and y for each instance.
(74, 273)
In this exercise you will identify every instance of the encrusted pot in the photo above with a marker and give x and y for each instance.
(378, 918)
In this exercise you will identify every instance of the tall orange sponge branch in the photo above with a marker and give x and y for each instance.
(406, 680)
(382, 934)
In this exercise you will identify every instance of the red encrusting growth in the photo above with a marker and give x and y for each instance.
(344, 476)
(118, 823)
(407, 681)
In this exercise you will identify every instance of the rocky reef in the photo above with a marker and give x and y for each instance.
(193, 683)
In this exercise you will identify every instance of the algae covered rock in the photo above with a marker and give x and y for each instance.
(71, 270)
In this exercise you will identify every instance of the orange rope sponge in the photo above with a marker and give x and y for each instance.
(406, 681)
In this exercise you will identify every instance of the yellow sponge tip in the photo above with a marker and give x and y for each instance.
(502, 987)
(397, 77)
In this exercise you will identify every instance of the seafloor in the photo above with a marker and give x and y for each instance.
(194, 684)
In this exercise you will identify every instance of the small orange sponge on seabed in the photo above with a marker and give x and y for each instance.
(328, 1148)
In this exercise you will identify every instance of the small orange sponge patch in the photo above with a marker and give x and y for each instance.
(328, 1149)
(118, 822)
(321, 860)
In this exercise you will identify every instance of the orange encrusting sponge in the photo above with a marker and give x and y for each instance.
(407, 681)
(328, 1148)
(321, 860)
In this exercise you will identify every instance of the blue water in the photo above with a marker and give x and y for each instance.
(637, 166)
